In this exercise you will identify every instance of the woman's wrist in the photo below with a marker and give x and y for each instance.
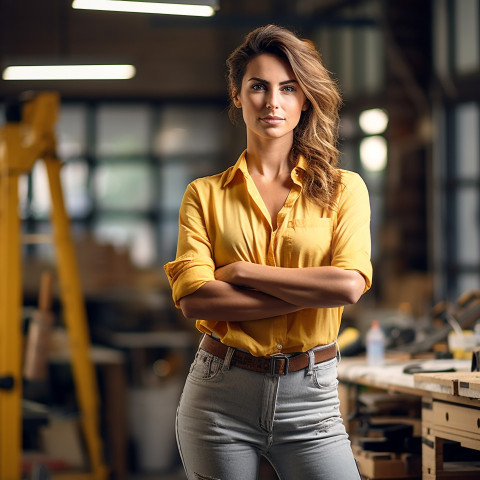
(242, 273)
(247, 274)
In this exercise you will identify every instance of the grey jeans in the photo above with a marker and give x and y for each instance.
(228, 417)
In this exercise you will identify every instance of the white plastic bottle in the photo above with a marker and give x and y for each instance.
(375, 345)
(476, 333)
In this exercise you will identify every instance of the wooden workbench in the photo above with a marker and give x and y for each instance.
(450, 406)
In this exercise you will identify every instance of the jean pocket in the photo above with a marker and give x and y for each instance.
(325, 375)
(205, 366)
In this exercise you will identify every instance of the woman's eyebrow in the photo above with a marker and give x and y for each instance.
(257, 79)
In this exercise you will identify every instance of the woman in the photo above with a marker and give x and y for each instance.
(269, 252)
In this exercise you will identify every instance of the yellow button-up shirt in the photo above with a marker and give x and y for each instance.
(223, 219)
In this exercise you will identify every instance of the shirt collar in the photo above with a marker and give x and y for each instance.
(241, 165)
(300, 168)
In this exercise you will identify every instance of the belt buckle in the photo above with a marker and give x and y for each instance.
(273, 364)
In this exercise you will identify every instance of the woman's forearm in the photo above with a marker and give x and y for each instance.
(221, 301)
(310, 287)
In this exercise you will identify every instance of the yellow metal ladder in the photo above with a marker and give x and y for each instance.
(22, 142)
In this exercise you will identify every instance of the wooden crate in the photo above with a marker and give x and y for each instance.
(388, 465)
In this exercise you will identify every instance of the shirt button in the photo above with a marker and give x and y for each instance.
(279, 346)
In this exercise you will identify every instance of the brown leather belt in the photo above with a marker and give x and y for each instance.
(275, 365)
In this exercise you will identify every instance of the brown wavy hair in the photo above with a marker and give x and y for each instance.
(316, 134)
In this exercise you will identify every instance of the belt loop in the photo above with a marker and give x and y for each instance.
(311, 361)
(339, 353)
(228, 359)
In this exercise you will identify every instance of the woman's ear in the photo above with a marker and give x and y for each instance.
(306, 106)
(236, 100)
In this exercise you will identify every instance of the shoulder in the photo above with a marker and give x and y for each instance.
(349, 178)
(214, 182)
(351, 181)
(352, 187)
(209, 182)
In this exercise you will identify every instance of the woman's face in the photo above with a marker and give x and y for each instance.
(270, 98)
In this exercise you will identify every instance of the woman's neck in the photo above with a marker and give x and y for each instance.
(270, 159)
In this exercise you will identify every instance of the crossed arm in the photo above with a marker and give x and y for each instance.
(247, 291)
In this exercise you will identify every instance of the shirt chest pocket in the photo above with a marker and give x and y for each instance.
(310, 241)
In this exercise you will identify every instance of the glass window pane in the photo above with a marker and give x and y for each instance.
(188, 130)
(347, 74)
(359, 60)
(45, 251)
(466, 282)
(377, 208)
(467, 125)
(123, 130)
(167, 237)
(348, 153)
(23, 195)
(74, 180)
(74, 176)
(71, 131)
(440, 36)
(335, 60)
(374, 49)
(348, 128)
(467, 40)
(41, 191)
(468, 226)
(121, 186)
(323, 42)
(138, 236)
(175, 178)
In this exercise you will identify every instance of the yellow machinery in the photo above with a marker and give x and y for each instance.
(22, 142)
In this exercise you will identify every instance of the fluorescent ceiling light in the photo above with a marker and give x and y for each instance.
(69, 72)
(373, 121)
(192, 9)
(374, 153)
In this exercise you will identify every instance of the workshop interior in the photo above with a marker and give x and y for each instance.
(106, 115)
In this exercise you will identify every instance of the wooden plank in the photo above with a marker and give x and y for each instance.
(465, 384)
(453, 475)
(466, 419)
(460, 471)
(433, 467)
(465, 390)
(469, 385)
(432, 453)
(437, 382)
(427, 411)
(465, 439)
(416, 423)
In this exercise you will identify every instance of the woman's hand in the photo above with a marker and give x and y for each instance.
(222, 301)
(231, 273)
(309, 287)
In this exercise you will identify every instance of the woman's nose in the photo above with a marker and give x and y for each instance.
(272, 101)
(272, 104)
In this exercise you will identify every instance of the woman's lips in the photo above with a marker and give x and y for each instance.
(272, 120)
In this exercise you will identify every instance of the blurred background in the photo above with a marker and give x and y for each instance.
(409, 73)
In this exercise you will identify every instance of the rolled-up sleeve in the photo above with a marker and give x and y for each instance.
(351, 243)
(193, 266)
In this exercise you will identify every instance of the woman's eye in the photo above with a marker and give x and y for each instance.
(288, 88)
(258, 86)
